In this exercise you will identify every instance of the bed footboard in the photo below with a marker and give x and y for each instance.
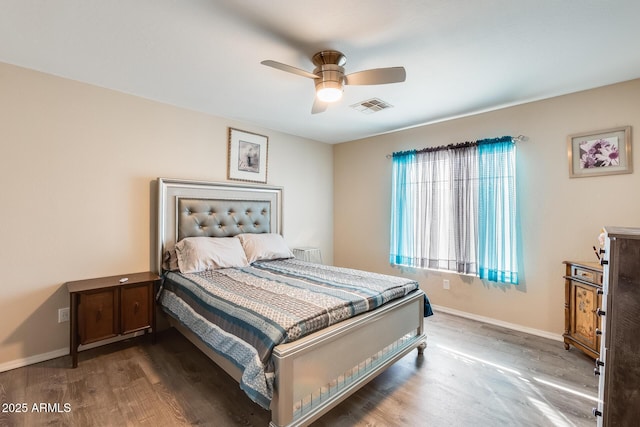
(316, 373)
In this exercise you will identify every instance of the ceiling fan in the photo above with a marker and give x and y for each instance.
(330, 78)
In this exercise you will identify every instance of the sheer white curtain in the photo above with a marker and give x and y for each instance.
(440, 189)
(464, 208)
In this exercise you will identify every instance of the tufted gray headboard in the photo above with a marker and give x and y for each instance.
(221, 218)
(197, 208)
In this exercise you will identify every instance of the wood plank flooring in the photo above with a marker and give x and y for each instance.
(471, 374)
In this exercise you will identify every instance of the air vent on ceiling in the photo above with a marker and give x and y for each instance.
(371, 106)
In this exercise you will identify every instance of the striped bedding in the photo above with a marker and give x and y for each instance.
(243, 313)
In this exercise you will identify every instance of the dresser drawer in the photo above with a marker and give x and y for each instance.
(586, 274)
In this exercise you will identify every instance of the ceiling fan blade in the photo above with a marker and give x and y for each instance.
(289, 69)
(376, 76)
(318, 106)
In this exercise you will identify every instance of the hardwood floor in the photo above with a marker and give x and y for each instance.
(471, 374)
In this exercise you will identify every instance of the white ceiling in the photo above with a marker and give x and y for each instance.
(461, 56)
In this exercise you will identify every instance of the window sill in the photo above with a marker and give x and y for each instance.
(408, 267)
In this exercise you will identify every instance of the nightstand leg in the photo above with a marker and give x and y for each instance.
(153, 324)
(74, 330)
(154, 291)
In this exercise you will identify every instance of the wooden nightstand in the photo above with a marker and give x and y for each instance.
(583, 299)
(107, 307)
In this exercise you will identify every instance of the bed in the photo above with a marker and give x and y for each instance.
(298, 372)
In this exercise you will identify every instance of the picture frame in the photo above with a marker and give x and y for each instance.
(248, 156)
(603, 152)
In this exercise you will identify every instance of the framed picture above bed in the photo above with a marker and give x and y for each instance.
(603, 152)
(248, 154)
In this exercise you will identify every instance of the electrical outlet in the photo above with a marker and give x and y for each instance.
(63, 314)
(445, 284)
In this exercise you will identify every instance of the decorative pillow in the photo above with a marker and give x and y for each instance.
(209, 253)
(265, 246)
(170, 260)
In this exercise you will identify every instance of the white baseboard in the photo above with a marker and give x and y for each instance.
(513, 326)
(19, 363)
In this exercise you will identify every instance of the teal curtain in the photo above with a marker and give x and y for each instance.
(402, 248)
(497, 237)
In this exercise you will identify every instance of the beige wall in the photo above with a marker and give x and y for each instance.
(560, 217)
(76, 166)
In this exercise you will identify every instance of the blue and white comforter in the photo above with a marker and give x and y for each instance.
(243, 313)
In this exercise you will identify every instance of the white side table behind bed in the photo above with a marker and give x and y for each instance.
(308, 254)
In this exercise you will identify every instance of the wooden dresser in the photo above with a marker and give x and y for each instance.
(619, 362)
(582, 298)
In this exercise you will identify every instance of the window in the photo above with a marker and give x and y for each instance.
(454, 208)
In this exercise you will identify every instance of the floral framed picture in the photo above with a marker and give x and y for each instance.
(248, 154)
(605, 152)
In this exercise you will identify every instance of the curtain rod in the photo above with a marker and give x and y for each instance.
(519, 138)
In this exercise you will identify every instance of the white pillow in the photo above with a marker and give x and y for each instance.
(209, 253)
(265, 246)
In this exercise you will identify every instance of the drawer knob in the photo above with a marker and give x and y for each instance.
(599, 362)
(596, 413)
(596, 371)
(600, 291)
(604, 262)
(600, 312)
(598, 332)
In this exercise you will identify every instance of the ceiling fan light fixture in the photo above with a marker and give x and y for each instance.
(329, 94)
(329, 91)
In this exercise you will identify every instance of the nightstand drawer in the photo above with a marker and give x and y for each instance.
(97, 316)
(135, 309)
